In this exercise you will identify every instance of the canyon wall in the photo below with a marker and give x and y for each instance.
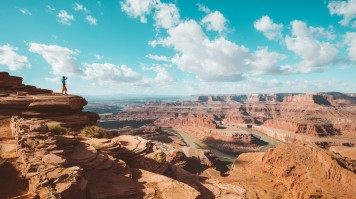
(331, 98)
(74, 166)
(294, 171)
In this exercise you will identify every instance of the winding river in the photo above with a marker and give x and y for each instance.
(194, 142)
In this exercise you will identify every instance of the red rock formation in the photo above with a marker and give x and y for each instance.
(242, 98)
(29, 101)
(335, 99)
(293, 171)
(64, 166)
(122, 167)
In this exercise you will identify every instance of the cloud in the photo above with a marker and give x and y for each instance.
(50, 9)
(209, 60)
(25, 11)
(315, 54)
(203, 8)
(265, 62)
(162, 76)
(98, 57)
(80, 7)
(166, 15)
(346, 9)
(10, 58)
(64, 18)
(110, 74)
(91, 20)
(137, 8)
(54, 80)
(261, 85)
(350, 40)
(215, 21)
(322, 33)
(158, 57)
(271, 30)
(61, 59)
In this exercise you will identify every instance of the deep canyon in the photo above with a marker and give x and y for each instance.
(282, 145)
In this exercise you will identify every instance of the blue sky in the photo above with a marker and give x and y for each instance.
(181, 47)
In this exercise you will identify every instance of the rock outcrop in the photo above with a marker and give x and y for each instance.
(17, 99)
(121, 167)
(294, 171)
(242, 98)
(72, 166)
(330, 98)
(205, 128)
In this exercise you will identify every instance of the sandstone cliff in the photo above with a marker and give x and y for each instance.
(72, 166)
(293, 171)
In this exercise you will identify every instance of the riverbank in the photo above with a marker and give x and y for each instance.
(194, 142)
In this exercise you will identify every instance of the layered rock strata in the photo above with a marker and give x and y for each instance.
(69, 166)
(293, 171)
(61, 166)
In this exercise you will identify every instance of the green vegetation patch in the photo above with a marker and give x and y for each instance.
(94, 132)
(159, 158)
(57, 129)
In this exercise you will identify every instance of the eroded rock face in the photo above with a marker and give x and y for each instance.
(294, 171)
(331, 98)
(17, 99)
(311, 114)
(300, 118)
(241, 99)
(31, 102)
(126, 166)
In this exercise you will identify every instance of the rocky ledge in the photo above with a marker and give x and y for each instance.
(73, 166)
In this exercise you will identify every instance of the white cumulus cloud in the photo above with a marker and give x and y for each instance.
(350, 40)
(346, 9)
(10, 58)
(64, 18)
(54, 80)
(271, 30)
(215, 21)
(166, 15)
(265, 62)
(209, 60)
(162, 75)
(91, 20)
(158, 57)
(315, 54)
(138, 8)
(108, 73)
(61, 59)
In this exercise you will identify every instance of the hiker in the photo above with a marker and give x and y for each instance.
(64, 88)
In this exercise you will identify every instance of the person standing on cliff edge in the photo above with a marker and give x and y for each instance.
(64, 88)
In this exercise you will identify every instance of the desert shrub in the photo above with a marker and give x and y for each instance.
(94, 132)
(159, 157)
(56, 128)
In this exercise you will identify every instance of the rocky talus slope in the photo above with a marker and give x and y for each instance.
(71, 166)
